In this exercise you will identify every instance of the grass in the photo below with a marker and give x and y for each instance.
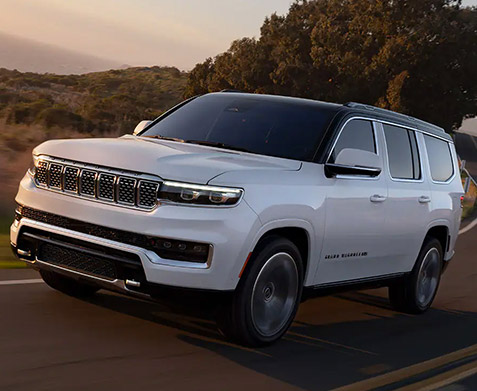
(7, 259)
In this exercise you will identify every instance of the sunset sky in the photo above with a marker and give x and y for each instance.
(140, 32)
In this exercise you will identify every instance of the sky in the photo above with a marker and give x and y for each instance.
(141, 32)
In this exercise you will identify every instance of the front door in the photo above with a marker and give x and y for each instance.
(355, 213)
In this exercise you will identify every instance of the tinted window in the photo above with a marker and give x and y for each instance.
(403, 154)
(440, 159)
(357, 134)
(258, 124)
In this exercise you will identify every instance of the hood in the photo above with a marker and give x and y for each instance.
(166, 159)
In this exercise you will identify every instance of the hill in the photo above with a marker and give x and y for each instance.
(37, 107)
(30, 56)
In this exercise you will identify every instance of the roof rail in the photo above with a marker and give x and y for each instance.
(230, 90)
(390, 112)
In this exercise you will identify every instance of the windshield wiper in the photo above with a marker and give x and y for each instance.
(218, 145)
(158, 136)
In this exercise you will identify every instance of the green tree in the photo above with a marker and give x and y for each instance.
(416, 56)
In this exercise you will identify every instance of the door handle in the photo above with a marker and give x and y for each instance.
(424, 199)
(377, 198)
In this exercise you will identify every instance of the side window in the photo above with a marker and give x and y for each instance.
(440, 159)
(403, 154)
(357, 134)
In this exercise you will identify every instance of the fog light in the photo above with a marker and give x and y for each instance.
(179, 250)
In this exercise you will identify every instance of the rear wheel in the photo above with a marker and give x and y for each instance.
(67, 285)
(267, 297)
(416, 292)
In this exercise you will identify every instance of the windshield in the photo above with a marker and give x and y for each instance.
(289, 129)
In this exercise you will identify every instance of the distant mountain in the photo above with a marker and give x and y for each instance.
(31, 56)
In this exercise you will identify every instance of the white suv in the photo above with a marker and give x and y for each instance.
(268, 198)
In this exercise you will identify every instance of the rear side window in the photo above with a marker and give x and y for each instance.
(403, 153)
(357, 134)
(440, 159)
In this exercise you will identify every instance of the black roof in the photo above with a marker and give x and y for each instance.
(355, 108)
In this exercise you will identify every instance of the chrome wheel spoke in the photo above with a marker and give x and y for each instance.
(428, 277)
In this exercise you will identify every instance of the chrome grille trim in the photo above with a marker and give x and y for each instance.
(101, 184)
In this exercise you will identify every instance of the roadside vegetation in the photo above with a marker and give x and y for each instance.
(416, 57)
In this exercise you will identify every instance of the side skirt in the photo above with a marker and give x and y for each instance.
(351, 285)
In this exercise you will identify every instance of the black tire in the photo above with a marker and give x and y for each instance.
(267, 297)
(67, 285)
(407, 295)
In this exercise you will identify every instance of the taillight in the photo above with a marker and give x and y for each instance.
(461, 201)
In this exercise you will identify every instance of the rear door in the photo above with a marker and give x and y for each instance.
(409, 196)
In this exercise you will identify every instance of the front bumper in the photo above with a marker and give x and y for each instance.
(230, 232)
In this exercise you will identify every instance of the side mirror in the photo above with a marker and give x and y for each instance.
(140, 127)
(354, 162)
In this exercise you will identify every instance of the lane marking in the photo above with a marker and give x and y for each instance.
(468, 227)
(407, 372)
(22, 282)
(443, 379)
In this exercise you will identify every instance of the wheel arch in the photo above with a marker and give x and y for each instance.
(440, 231)
(300, 232)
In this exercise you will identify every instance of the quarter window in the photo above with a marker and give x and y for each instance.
(440, 159)
(403, 154)
(357, 134)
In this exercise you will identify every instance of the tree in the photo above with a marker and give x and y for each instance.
(414, 56)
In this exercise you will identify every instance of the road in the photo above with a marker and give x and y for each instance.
(466, 145)
(50, 341)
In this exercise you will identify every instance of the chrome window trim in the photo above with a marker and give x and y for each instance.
(383, 122)
(98, 170)
(376, 145)
(376, 121)
(419, 150)
(453, 159)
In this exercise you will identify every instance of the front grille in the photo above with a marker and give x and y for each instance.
(71, 179)
(147, 194)
(126, 191)
(78, 261)
(87, 183)
(97, 184)
(55, 175)
(106, 186)
(42, 173)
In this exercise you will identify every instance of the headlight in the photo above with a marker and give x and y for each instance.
(33, 165)
(186, 193)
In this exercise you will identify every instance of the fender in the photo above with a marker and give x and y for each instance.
(313, 247)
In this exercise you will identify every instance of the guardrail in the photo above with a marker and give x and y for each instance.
(470, 188)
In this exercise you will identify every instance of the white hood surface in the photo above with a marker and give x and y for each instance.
(166, 159)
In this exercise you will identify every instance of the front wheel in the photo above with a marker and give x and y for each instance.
(267, 297)
(416, 293)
